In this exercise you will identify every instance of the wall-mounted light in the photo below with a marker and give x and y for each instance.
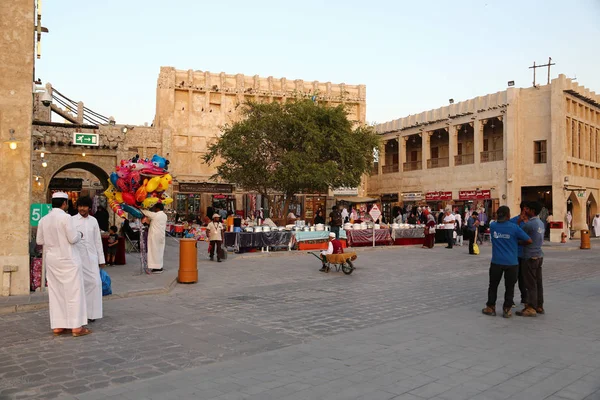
(451, 101)
(511, 83)
(12, 141)
(83, 154)
(42, 151)
(44, 164)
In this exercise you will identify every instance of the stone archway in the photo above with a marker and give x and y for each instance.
(100, 173)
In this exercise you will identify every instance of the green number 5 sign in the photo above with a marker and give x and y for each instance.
(37, 211)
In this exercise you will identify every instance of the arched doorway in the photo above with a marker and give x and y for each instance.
(78, 179)
(591, 210)
(574, 208)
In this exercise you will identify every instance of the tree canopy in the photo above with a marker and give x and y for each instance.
(295, 147)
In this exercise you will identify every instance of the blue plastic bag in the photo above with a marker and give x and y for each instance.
(106, 287)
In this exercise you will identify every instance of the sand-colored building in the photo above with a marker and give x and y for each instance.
(191, 108)
(538, 143)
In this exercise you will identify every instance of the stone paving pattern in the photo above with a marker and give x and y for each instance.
(405, 325)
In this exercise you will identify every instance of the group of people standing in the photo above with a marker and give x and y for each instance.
(517, 255)
(74, 255)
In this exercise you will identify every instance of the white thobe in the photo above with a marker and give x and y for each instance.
(66, 294)
(91, 255)
(596, 225)
(156, 238)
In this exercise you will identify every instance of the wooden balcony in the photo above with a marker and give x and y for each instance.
(464, 159)
(438, 162)
(490, 156)
(390, 169)
(413, 166)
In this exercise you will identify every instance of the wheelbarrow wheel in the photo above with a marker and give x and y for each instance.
(347, 267)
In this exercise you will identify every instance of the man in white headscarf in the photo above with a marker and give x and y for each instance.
(91, 254)
(66, 293)
(596, 225)
(156, 237)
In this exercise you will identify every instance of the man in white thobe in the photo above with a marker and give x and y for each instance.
(596, 225)
(156, 237)
(91, 254)
(66, 293)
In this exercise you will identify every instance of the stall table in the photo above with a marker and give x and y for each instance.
(120, 257)
(364, 237)
(315, 240)
(410, 236)
(262, 240)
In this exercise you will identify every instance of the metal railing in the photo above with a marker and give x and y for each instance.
(413, 166)
(438, 162)
(390, 169)
(490, 156)
(464, 159)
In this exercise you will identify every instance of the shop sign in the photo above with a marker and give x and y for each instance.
(375, 213)
(345, 192)
(412, 196)
(86, 139)
(37, 211)
(389, 197)
(205, 187)
(219, 197)
(438, 196)
(474, 194)
(66, 184)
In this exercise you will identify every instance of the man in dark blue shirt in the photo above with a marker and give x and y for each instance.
(533, 257)
(520, 221)
(505, 240)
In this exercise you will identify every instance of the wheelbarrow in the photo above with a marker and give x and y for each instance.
(339, 261)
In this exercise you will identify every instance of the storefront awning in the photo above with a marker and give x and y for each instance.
(356, 199)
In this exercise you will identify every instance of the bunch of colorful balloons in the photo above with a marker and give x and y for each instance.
(138, 184)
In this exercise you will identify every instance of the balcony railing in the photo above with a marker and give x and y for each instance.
(413, 166)
(390, 169)
(464, 159)
(494, 155)
(438, 162)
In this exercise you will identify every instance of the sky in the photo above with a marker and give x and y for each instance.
(412, 55)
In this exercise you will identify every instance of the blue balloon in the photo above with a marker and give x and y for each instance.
(132, 211)
(113, 178)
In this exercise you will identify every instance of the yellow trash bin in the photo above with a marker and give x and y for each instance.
(585, 240)
(188, 259)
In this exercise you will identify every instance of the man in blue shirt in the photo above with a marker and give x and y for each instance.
(505, 240)
(520, 221)
(533, 257)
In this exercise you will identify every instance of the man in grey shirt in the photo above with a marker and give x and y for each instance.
(533, 257)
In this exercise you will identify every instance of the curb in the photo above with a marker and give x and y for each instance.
(16, 308)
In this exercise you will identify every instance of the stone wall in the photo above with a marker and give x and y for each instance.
(192, 106)
(16, 77)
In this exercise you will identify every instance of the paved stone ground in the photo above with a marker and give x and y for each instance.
(405, 325)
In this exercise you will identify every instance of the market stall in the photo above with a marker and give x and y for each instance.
(241, 241)
(408, 236)
(315, 240)
(364, 237)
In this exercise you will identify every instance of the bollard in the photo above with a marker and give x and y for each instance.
(188, 261)
(585, 240)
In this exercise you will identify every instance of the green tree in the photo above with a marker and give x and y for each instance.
(293, 147)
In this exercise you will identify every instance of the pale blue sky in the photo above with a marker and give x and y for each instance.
(412, 55)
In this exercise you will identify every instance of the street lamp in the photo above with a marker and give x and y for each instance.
(12, 141)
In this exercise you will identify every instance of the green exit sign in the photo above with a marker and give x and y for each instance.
(86, 139)
(37, 211)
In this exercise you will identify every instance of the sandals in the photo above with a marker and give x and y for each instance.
(83, 332)
(61, 332)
